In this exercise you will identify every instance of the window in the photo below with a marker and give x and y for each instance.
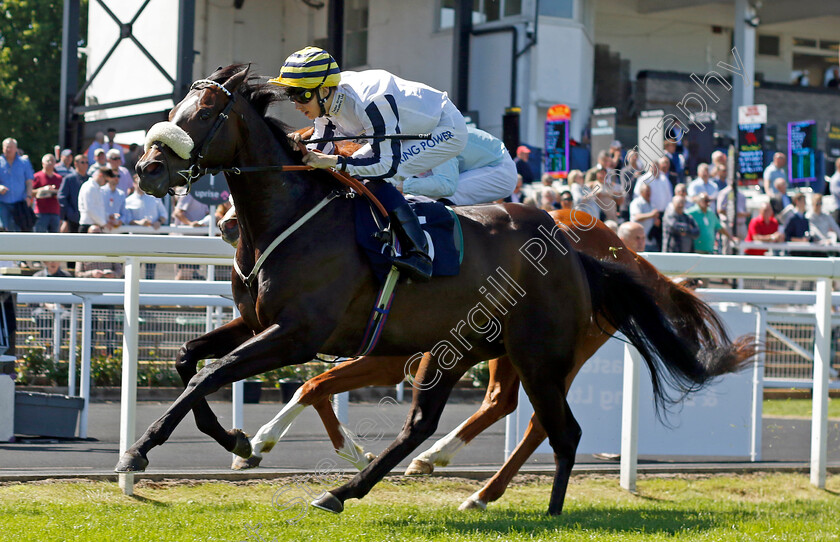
(804, 42)
(483, 11)
(768, 45)
(558, 8)
(830, 45)
(355, 33)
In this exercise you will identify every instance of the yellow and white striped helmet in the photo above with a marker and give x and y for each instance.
(309, 68)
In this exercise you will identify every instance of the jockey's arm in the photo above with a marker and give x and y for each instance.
(379, 158)
(440, 184)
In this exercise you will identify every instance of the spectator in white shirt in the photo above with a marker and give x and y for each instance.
(144, 209)
(643, 212)
(834, 187)
(661, 190)
(774, 171)
(92, 201)
(703, 185)
(822, 228)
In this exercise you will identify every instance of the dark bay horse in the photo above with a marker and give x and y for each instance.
(697, 323)
(522, 291)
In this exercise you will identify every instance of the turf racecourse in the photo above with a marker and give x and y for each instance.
(683, 507)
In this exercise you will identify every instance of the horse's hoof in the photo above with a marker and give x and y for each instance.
(241, 463)
(329, 502)
(473, 503)
(131, 462)
(419, 467)
(242, 448)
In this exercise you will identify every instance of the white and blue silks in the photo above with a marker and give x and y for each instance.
(375, 102)
(482, 173)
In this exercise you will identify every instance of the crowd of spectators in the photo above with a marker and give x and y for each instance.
(665, 208)
(90, 192)
(661, 207)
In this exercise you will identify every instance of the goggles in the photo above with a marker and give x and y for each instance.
(301, 95)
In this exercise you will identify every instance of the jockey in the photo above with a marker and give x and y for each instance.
(370, 103)
(484, 172)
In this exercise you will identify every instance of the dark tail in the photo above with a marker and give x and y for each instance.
(684, 348)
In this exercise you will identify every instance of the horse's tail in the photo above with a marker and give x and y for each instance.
(684, 348)
(698, 323)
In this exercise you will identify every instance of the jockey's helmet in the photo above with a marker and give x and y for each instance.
(307, 70)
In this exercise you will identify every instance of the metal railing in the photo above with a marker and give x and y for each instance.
(135, 250)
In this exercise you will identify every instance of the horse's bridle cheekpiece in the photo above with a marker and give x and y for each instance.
(195, 171)
(168, 134)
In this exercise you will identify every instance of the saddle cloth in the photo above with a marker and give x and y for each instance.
(443, 232)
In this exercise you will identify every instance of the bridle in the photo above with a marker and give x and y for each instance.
(195, 171)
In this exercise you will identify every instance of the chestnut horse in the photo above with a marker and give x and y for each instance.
(314, 291)
(502, 392)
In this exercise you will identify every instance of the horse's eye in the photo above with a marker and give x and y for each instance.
(204, 114)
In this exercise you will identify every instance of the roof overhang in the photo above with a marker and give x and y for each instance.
(777, 11)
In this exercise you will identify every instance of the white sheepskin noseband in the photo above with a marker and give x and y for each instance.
(171, 135)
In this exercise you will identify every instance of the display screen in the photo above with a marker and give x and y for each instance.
(557, 147)
(751, 152)
(833, 141)
(802, 146)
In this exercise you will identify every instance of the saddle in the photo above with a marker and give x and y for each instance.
(439, 222)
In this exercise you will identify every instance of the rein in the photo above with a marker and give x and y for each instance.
(342, 177)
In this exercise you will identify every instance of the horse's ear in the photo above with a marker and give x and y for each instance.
(235, 80)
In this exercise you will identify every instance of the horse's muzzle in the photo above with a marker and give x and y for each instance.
(154, 177)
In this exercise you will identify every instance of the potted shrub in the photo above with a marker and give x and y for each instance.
(252, 390)
(45, 414)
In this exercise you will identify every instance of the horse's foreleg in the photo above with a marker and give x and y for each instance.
(499, 401)
(350, 375)
(213, 345)
(496, 486)
(432, 387)
(257, 355)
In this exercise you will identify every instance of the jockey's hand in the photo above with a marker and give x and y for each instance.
(320, 160)
(294, 139)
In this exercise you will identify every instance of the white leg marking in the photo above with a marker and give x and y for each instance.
(442, 451)
(351, 451)
(270, 433)
(473, 503)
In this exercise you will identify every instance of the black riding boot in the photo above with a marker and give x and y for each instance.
(415, 260)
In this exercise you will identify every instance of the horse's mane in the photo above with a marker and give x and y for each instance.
(261, 95)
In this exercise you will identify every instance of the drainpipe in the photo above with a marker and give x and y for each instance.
(514, 64)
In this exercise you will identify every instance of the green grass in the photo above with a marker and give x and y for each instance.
(796, 408)
(749, 507)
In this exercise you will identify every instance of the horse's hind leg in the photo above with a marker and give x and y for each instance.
(350, 375)
(212, 345)
(499, 401)
(432, 387)
(496, 486)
